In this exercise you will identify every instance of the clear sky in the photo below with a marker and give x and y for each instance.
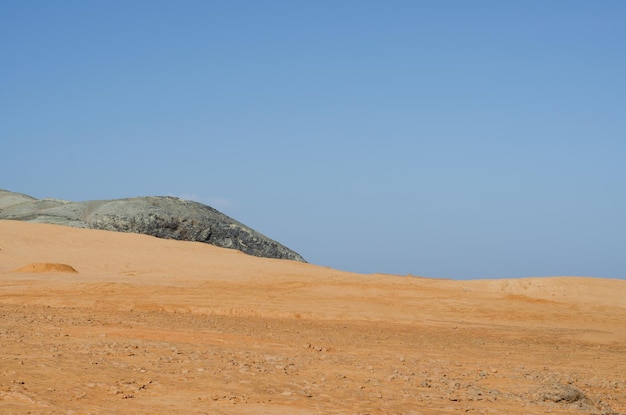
(449, 139)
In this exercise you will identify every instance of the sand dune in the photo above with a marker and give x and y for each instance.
(46, 267)
(149, 325)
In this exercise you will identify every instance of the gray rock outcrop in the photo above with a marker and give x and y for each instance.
(161, 216)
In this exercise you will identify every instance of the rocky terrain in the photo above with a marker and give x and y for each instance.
(97, 322)
(160, 216)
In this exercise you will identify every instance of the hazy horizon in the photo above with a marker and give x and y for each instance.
(442, 139)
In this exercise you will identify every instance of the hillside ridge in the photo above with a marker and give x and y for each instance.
(165, 217)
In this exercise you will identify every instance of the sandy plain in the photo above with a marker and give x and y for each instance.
(96, 322)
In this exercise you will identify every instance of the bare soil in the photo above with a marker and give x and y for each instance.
(150, 326)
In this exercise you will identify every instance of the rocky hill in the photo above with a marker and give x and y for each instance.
(161, 216)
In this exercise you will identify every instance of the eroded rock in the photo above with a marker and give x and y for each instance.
(161, 216)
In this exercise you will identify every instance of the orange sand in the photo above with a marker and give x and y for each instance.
(158, 326)
(46, 267)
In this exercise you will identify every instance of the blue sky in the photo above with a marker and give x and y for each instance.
(448, 139)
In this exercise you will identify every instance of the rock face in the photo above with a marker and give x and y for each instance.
(161, 216)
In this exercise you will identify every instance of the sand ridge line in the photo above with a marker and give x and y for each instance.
(41, 267)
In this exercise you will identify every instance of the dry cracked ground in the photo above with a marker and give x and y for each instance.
(96, 322)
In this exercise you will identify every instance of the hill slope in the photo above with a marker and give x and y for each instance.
(106, 322)
(160, 216)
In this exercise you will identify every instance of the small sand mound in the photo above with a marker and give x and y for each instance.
(47, 267)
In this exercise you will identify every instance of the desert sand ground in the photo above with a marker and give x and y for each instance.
(96, 322)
